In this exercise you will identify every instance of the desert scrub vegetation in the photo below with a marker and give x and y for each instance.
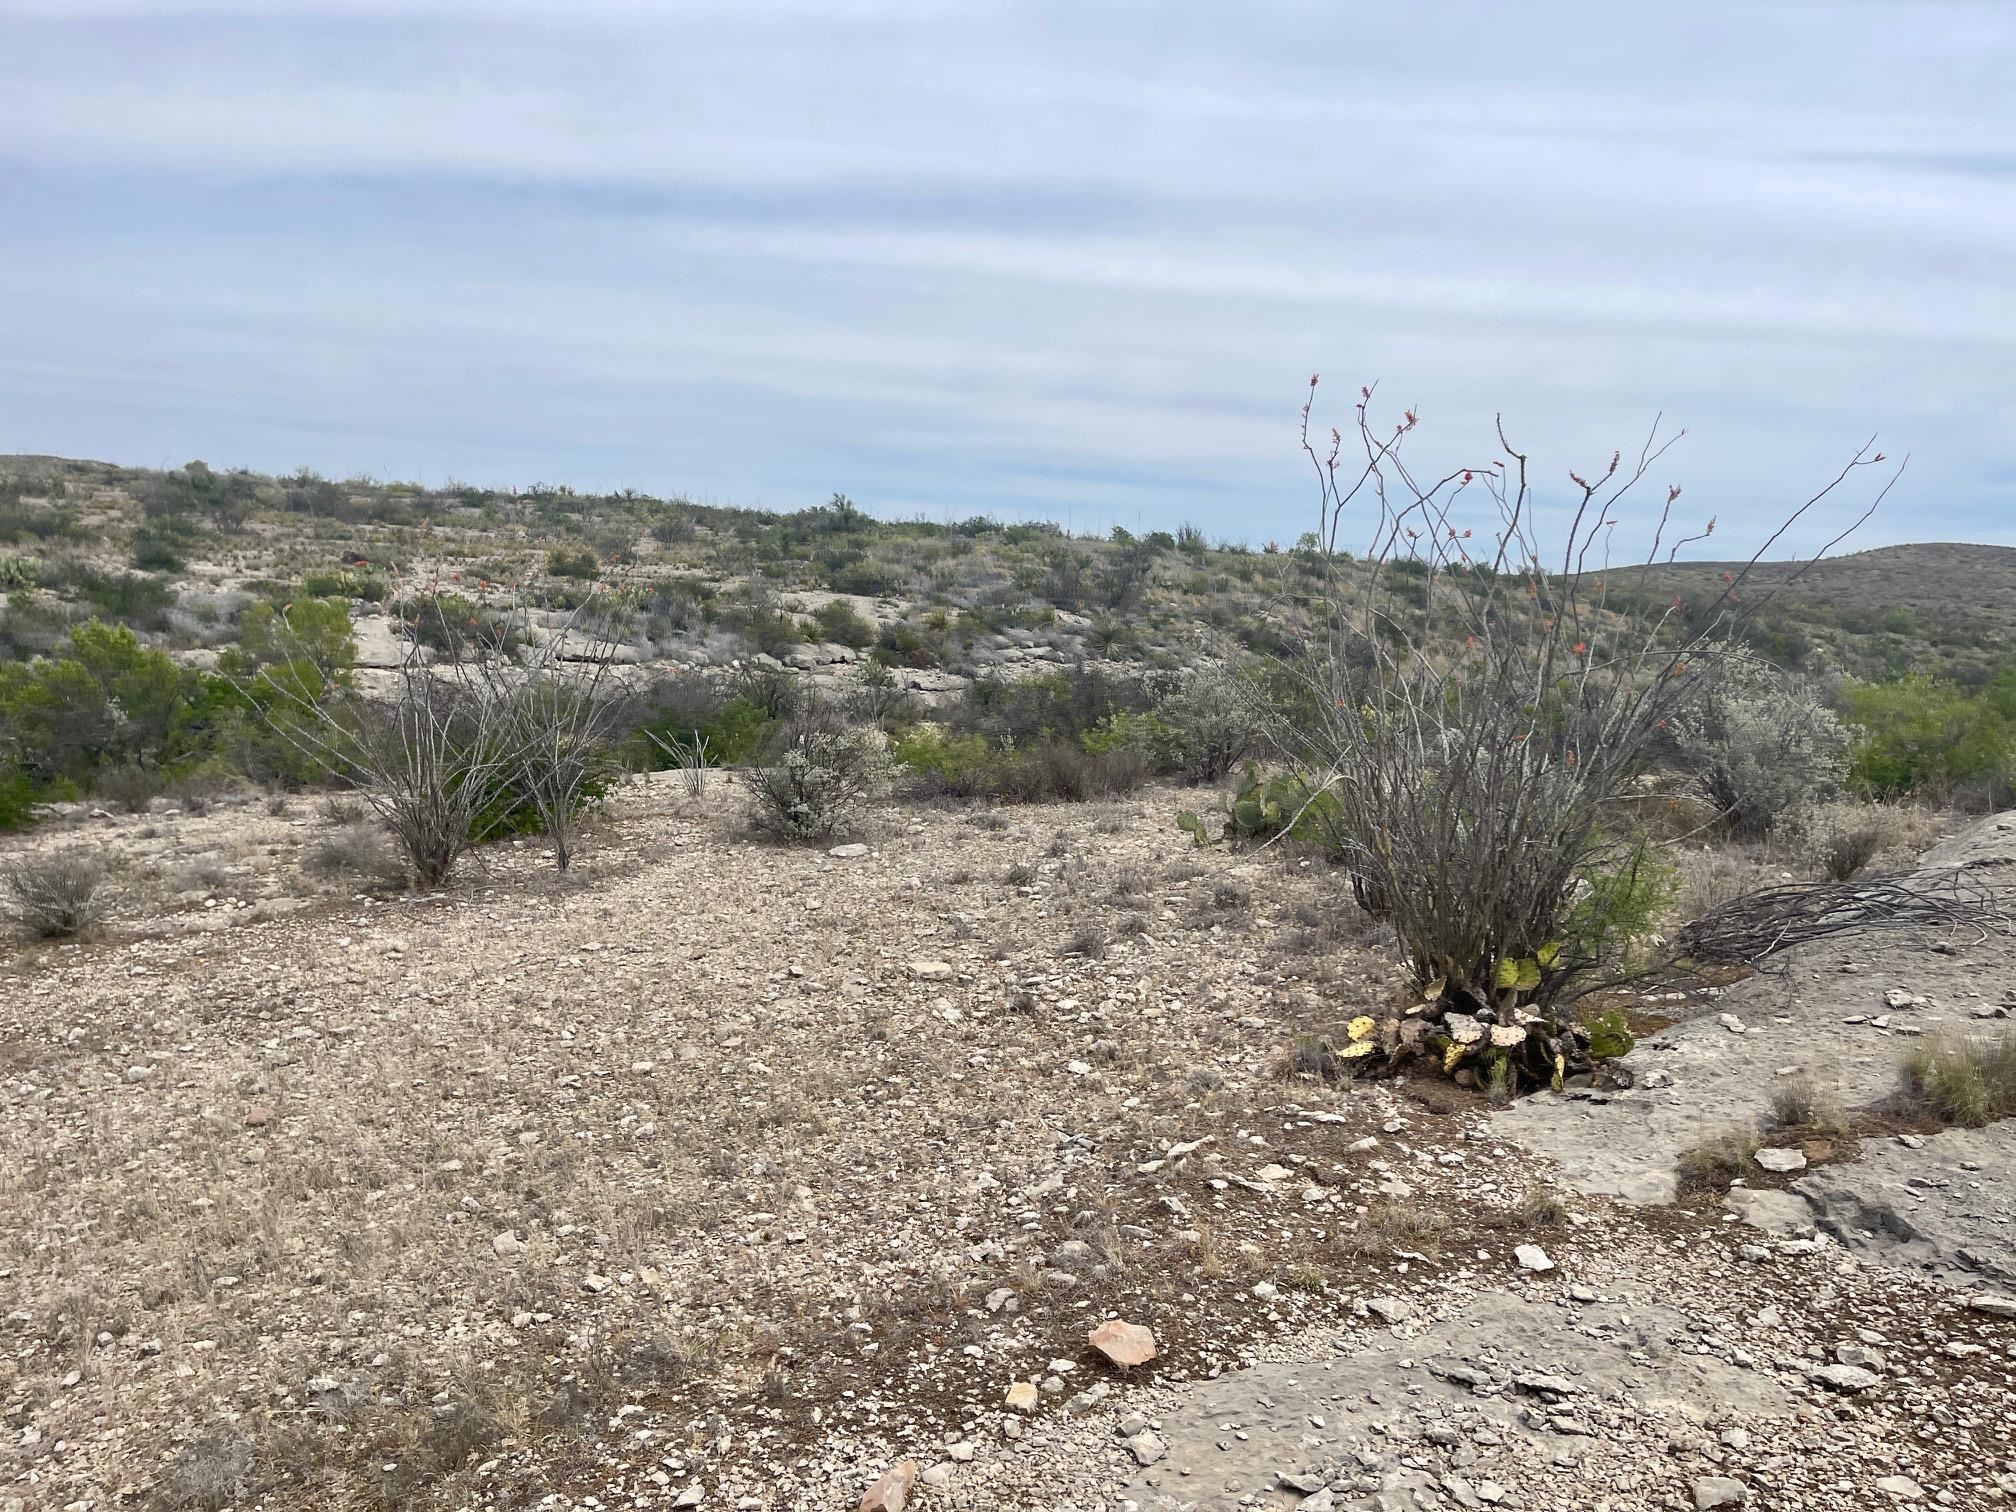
(58, 897)
(1078, 734)
(1477, 715)
(1760, 741)
(506, 742)
(357, 849)
(1715, 1162)
(1969, 1080)
(819, 778)
(1920, 737)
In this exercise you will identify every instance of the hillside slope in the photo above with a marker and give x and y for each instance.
(178, 554)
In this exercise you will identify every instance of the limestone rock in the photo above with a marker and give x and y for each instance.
(1774, 1211)
(1772, 1158)
(1719, 1491)
(1146, 1447)
(892, 1492)
(1391, 1309)
(1848, 1378)
(1125, 1344)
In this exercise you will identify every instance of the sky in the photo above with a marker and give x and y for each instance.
(1072, 261)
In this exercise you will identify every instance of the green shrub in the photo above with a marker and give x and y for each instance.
(968, 766)
(346, 583)
(1920, 736)
(17, 798)
(770, 630)
(1150, 737)
(455, 626)
(161, 545)
(102, 701)
(1212, 720)
(572, 564)
(1612, 908)
(731, 730)
(959, 766)
(843, 624)
(511, 812)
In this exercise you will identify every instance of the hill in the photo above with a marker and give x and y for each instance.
(178, 555)
(1936, 606)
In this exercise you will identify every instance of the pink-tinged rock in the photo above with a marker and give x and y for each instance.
(1125, 1344)
(892, 1492)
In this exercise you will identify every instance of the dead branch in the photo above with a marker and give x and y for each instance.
(1749, 929)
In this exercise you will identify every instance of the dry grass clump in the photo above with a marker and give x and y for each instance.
(1087, 941)
(207, 1475)
(1800, 1103)
(1714, 875)
(1841, 840)
(59, 897)
(340, 809)
(1964, 1080)
(1715, 1162)
(1389, 1227)
(359, 849)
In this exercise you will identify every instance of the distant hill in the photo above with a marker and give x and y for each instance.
(176, 554)
(1936, 606)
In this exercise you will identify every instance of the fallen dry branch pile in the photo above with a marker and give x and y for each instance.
(1748, 929)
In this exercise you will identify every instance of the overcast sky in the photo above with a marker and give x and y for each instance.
(1070, 260)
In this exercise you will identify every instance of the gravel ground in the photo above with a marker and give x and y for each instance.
(727, 1175)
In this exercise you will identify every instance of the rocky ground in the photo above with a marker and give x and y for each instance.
(723, 1175)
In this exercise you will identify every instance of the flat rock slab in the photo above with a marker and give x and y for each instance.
(1459, 1398)
(1624, 1144)
(1948, 1207)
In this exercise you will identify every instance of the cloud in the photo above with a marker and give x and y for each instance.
(979, 256)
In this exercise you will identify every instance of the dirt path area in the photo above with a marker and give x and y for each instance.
(729, 1176)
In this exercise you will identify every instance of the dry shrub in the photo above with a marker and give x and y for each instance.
(59, 897)
(207, 1475)
(1760, 741)
(1389, 1227)
(1839, 841)
(1087, 941)
(1845, 854)
(359, 849)
(1714, 875)
(502, 727)
(1969, 1080)
(820, 778)
(1469, 718)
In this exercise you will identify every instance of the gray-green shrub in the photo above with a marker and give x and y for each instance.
(1759, 741)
